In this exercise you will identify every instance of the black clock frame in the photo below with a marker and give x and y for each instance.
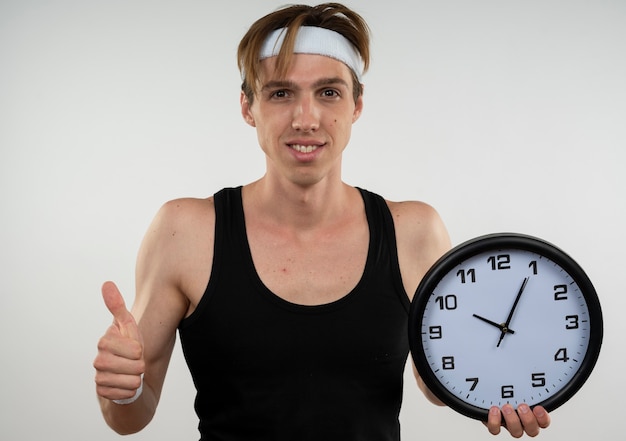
(494, 242)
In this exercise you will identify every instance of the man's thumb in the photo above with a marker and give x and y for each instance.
(122, 317)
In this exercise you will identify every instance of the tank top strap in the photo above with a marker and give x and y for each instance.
(229, 218)
(385, 250)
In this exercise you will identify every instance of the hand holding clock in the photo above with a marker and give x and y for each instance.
(525, 420)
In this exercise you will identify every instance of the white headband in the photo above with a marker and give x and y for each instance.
(319, 41)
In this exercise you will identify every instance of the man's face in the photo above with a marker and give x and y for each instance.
(304, 120)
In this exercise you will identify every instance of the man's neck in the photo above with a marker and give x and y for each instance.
(298, 207)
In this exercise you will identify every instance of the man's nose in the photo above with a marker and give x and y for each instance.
(306, 115)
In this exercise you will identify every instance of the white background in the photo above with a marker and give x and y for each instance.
(504, 115)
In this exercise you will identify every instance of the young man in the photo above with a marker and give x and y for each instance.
(291, 293)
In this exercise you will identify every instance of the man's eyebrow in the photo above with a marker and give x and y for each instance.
(279, 84)
(331, 82)
(286, 84)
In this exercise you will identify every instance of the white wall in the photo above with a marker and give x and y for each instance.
(505, 115)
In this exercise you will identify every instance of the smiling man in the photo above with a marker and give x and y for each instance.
(291, 293)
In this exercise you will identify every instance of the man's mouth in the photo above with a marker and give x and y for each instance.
(303, 148)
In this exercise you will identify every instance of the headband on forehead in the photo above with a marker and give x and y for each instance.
(318, 41)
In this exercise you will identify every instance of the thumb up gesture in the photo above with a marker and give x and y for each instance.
(119, 363)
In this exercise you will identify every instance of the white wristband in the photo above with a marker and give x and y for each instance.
(134, 397)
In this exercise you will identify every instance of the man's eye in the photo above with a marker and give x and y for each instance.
(279, 94)
(330, 93)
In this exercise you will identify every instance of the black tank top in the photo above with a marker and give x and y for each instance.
(267, 369)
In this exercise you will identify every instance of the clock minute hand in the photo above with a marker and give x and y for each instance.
(500, 326)
(508, 320)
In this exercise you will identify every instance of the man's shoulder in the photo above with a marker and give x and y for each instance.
(186, 210)
(419, 225)
(178, 245)
(413, 212)
(179, 223)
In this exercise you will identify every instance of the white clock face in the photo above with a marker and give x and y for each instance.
(506, 326)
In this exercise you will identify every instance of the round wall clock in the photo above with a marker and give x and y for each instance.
(505, 318)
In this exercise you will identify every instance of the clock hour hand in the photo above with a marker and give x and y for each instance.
(508, 320)
(500, 326)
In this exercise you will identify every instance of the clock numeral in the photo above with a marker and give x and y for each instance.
(434, 332)
(507, 391)
(447, 363)
(539, 379)
(533, 265)
(470, 275)
(448, 302)
(560, 292)
(561, 355)
(474, 382)
(572, 322)
(500, 262)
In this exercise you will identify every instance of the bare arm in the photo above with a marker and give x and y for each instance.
(422, 238)
(141, 342)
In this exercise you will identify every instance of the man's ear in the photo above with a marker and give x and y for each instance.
(358, 108)
(245, 110)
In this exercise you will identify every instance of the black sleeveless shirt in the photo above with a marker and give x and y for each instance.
(268, 369)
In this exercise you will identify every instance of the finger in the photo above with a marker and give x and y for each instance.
(114, 350)
(115, 387)
(528, 420)
(114, 301)
(543, 417)
(122, 317)
(118, 381)
(512, 421)
(494, 420)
